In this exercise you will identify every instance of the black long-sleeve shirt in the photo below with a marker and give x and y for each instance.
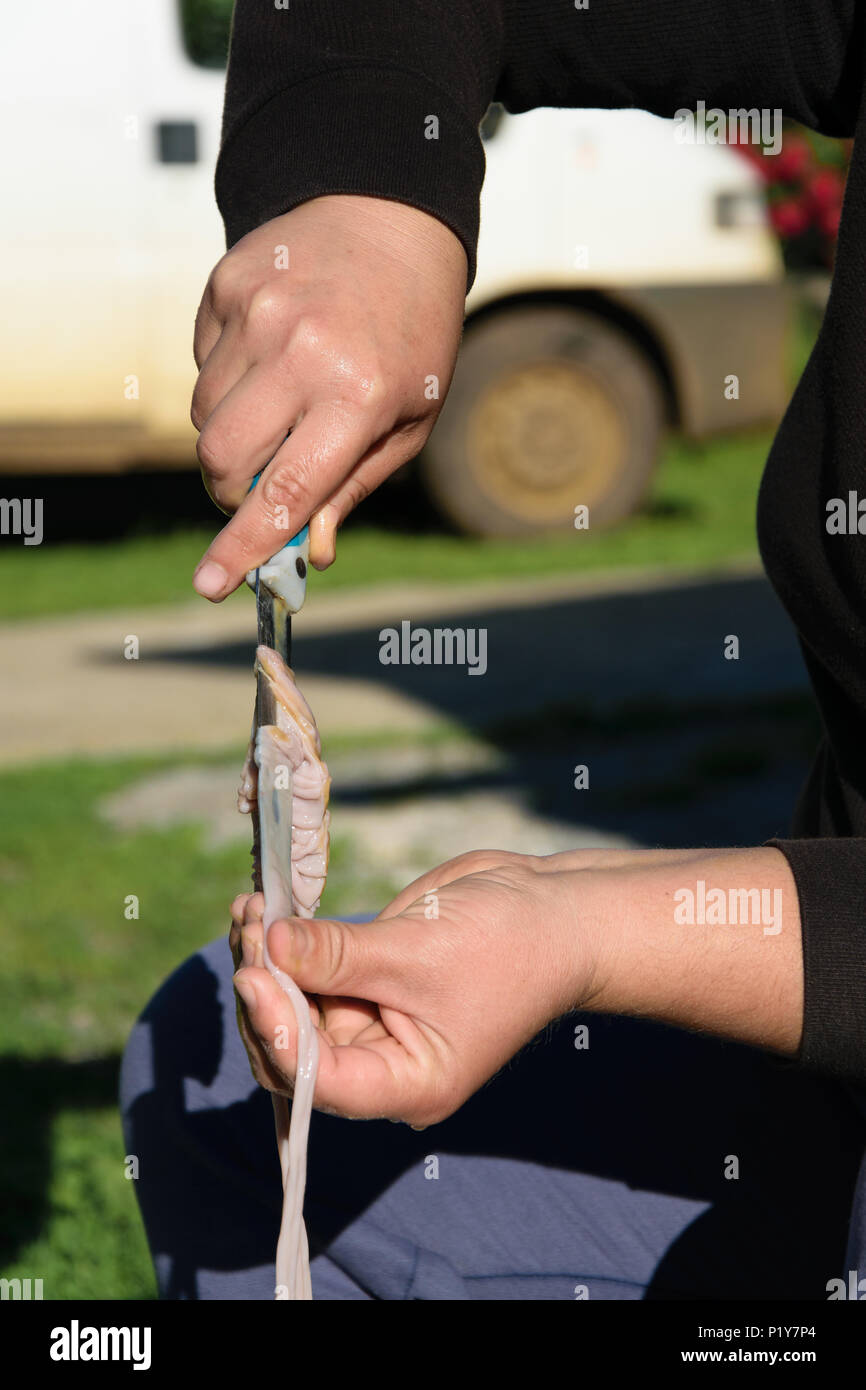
(332, 96)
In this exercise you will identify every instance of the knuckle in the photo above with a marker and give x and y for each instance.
(307, 336)
(223, 285)
(205, 312)
(356, 490)
(210, 455)
(365, 386)
(265, 307)
(411, 437)
(285, 492)
(280, 488)
(336, 950)
(477, 861)
(198, 411)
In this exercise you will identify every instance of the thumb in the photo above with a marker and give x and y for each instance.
(324, 956)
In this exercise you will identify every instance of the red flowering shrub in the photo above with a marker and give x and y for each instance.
(805, 187)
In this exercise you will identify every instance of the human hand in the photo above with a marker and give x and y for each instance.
(417, 1011)
(338, 347)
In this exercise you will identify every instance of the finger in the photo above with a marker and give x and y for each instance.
(248, 950)
(263, 1072)
(347, 1020)
(238, 907)
(246, 906)
(378, 961)
(244, 431)
(255, 907)
(249, 1038)
(226, 364)
(208, 327)
(253, 944)
(384, 1078)
(261, 1067)
(323, 447)
(323, 539)
(237, 911)
(383, 459)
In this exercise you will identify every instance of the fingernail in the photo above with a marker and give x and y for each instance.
(246, 989)
(210, 580)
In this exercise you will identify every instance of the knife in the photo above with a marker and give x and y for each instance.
(280, 586)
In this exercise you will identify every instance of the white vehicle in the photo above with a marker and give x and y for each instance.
(623, 280)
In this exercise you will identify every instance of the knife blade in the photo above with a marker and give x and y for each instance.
(280, 587)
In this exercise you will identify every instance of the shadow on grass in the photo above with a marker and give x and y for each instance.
(684, 746)
(32, 1094)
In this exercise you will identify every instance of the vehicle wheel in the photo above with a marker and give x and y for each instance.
(550, 408)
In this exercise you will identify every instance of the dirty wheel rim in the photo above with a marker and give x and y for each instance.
(545, 438)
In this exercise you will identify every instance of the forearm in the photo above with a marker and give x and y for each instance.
(708, 941)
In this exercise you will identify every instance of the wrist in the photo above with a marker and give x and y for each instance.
(417, 238)
(707, 941)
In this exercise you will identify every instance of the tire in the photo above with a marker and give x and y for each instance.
(550, 407)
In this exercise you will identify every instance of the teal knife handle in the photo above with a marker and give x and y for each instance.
(285, 574)
(295, 542)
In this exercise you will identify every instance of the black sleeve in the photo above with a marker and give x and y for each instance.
(335, 96)
(831, 885)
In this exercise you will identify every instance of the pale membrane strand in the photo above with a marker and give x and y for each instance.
(275, 832)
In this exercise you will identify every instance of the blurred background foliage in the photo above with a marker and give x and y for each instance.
(805, 185)
(205, 25)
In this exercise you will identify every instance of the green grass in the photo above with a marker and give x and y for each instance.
(73, 578)
(76, 973)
